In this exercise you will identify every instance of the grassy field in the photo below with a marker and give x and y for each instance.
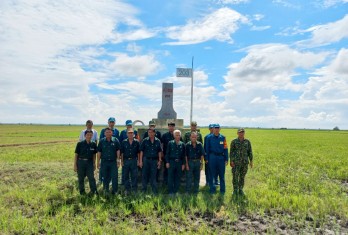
(299, 184)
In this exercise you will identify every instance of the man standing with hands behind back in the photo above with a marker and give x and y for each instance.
(241, 155)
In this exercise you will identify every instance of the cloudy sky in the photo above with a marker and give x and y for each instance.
(277, 63)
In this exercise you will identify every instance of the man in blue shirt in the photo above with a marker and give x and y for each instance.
(85, 156)
(130, 149)
(115, 135)
(150, 160)
(194, 163)
(206, 167)
(217, 158)
(109, 160)
(123, 136)
(175, 162)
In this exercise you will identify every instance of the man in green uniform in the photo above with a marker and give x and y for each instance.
(175, 162)
(84, 165)
(109, 154)
(194, 163)
(150, 160)
(240, 156)
(130, 149)
(187, 135)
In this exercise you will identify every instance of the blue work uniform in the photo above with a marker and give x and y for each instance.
(85, 165)
(151, 150)
(206, 167)
(115, 135)
(130, 167)
(108, 150)
(217, 155)
(194, 155)
(175, 156)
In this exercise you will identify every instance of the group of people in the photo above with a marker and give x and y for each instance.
(172, 152)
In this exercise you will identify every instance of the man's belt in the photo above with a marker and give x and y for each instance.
(194, 159)
(152, 158)
(175, 159)
(218, 154)
(85, 159)
(108, 159)
(130, 158)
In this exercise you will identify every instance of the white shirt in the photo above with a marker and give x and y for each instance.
(94, 137)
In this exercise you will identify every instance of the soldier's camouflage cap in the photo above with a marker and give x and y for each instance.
(193, 123)
(241, 130)
(152, 123)
(171, 123)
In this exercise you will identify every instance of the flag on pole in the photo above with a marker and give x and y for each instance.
(184, 72)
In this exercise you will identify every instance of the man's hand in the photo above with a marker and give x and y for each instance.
(167, 165)
(251, 164)
(232, 164)
(140, 164)
(98, 165)
(75, 167)
(183, 167)
(159, 164)
(187, 167)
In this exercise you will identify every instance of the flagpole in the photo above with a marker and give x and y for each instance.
(191, 92)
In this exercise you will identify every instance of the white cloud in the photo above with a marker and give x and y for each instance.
(260, 28)
(219, 25)
(134, 66)
(234, 2)
(327, 33)
(331, 3)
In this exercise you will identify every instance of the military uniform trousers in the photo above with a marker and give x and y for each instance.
(110, 173)
(85, 168)
(238, 172)
(193, 175)
(217, 168)
(174, 175)
(130, 170)
(149, 172)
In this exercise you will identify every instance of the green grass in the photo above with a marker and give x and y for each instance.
(298, 180)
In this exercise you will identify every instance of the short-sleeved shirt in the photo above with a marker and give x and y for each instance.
(130, 150)
(86, 150)
(115, 134)
(188, 135)
(175, 151)
(123, 135)
(241, 151)
(94, 137)
(109, 149)
(194, 152)
(157, 134)
(217, 146)
(151, 149)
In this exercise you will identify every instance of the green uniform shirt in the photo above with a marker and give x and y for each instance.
(175, 151)
(194, 152)
(240, 151)
(151, 149)
(130, 150)
(86, 150)
(188, 135)
(109, 149)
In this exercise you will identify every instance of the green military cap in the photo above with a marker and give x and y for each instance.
(241, 130)
(171, 123)
(152, 123)
(193, 123)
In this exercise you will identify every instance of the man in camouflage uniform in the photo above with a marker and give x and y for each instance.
(240, 156)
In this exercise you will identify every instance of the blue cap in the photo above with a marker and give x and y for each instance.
(211, 126)
(111, 119)
(129, 123)
(216, 125)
